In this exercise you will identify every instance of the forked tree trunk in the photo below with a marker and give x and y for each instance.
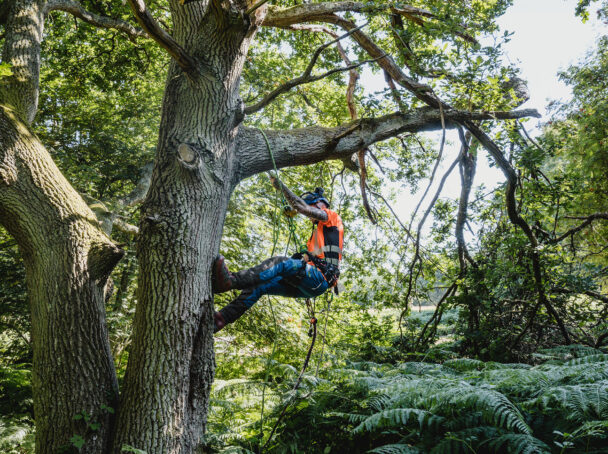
(180, 232)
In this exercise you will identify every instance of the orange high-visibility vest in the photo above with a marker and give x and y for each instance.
(327, 238)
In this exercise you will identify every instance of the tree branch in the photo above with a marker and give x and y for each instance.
(314, 144)
(190, 66)
(587, 221)
(78, 11)
(311, 12)
(306, 75)
(303, 79)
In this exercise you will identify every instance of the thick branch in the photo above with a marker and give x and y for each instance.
(78, 11)
(312, 12)
(278, 17)
(314, 144)
(164, 39)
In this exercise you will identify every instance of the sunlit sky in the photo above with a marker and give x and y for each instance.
(548, 38)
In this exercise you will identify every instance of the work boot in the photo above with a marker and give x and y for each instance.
(223, 279)
(218, 318)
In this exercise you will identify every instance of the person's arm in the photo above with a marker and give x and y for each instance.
(298, 204)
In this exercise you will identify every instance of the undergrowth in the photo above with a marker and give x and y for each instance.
(460, 405)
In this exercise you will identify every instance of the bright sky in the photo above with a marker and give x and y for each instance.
(548, 38)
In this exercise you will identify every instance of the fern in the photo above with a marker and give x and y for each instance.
(578, 402)
(494, 406)
(395, 449)
(519, 444)
(464, 440)
(398, 417)
(465, 364)
(566, 352)
(589, 359)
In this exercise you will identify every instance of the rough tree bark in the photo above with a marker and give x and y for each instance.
(67, 261)
(66, 255)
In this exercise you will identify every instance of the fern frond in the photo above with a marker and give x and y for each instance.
(566, 352)
(395, 449)
(519, 444)
(464, 440)
(494, 406)
(417, 368)
(352, 418)
(465, 364)
(589, 359)
(586, 402)
(398, 417)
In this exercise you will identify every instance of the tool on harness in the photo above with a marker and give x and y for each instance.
(289, 211)
(330, 272)
(313, 197)
(312, 321)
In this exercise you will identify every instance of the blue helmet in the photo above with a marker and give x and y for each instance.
(313, 197)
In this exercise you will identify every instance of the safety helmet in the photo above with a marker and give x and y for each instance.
(313, 197)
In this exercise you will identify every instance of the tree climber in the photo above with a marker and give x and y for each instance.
(306, 274)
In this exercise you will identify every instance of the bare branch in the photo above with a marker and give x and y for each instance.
(586, 221)
(190, 66)
(137, 195)
(468, 166)
(97, 20)
(306, 76)
(314, 144)
(437, 162)
(303, 79)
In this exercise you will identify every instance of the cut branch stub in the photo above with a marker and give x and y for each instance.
(186, 153)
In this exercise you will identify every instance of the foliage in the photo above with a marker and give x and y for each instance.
(461, 405)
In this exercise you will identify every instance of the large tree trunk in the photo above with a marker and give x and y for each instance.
(67, 260)
(171, 363)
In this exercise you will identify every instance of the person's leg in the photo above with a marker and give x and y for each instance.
(248, 297)
(312, 284)
(224, 280)
(255, 275)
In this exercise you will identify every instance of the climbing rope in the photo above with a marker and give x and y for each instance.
(290, 221)
(327, 309)
(312, 332)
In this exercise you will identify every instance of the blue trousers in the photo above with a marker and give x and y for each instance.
(280, 276)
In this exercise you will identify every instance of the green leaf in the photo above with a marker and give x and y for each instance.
(77, 441)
